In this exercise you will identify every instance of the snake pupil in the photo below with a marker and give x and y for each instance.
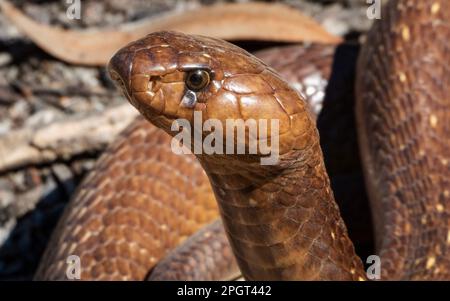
(197, 80)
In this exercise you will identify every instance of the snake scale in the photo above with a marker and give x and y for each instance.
(281, 220)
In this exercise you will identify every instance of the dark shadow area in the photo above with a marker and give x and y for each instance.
(22, 51)
(21, 252)
(337, 128)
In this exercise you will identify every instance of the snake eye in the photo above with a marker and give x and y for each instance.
(197, 80)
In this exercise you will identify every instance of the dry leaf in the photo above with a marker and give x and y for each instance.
(241, 21)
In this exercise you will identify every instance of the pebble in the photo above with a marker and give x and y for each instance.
(5, 58)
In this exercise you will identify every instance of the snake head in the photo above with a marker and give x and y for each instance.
(170, 76)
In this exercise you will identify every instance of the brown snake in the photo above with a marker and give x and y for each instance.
(282, 222)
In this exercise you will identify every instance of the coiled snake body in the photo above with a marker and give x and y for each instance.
(281, 220)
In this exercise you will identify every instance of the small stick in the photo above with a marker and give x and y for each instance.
(63, 139)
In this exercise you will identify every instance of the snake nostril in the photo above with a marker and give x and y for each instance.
(154, 83)
(150, 84)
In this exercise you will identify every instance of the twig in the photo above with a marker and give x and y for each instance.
(63, 139)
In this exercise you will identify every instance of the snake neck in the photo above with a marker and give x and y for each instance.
(282, 220)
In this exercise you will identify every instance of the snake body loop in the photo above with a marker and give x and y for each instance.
(403, 119)
(281, 220)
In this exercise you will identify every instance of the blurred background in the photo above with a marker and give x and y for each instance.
(43, 99)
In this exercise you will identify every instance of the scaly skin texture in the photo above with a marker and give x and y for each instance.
(282, 220)
(403, 114)
(155, 144)
(130, 210)
(307, 68)
(205, 256)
